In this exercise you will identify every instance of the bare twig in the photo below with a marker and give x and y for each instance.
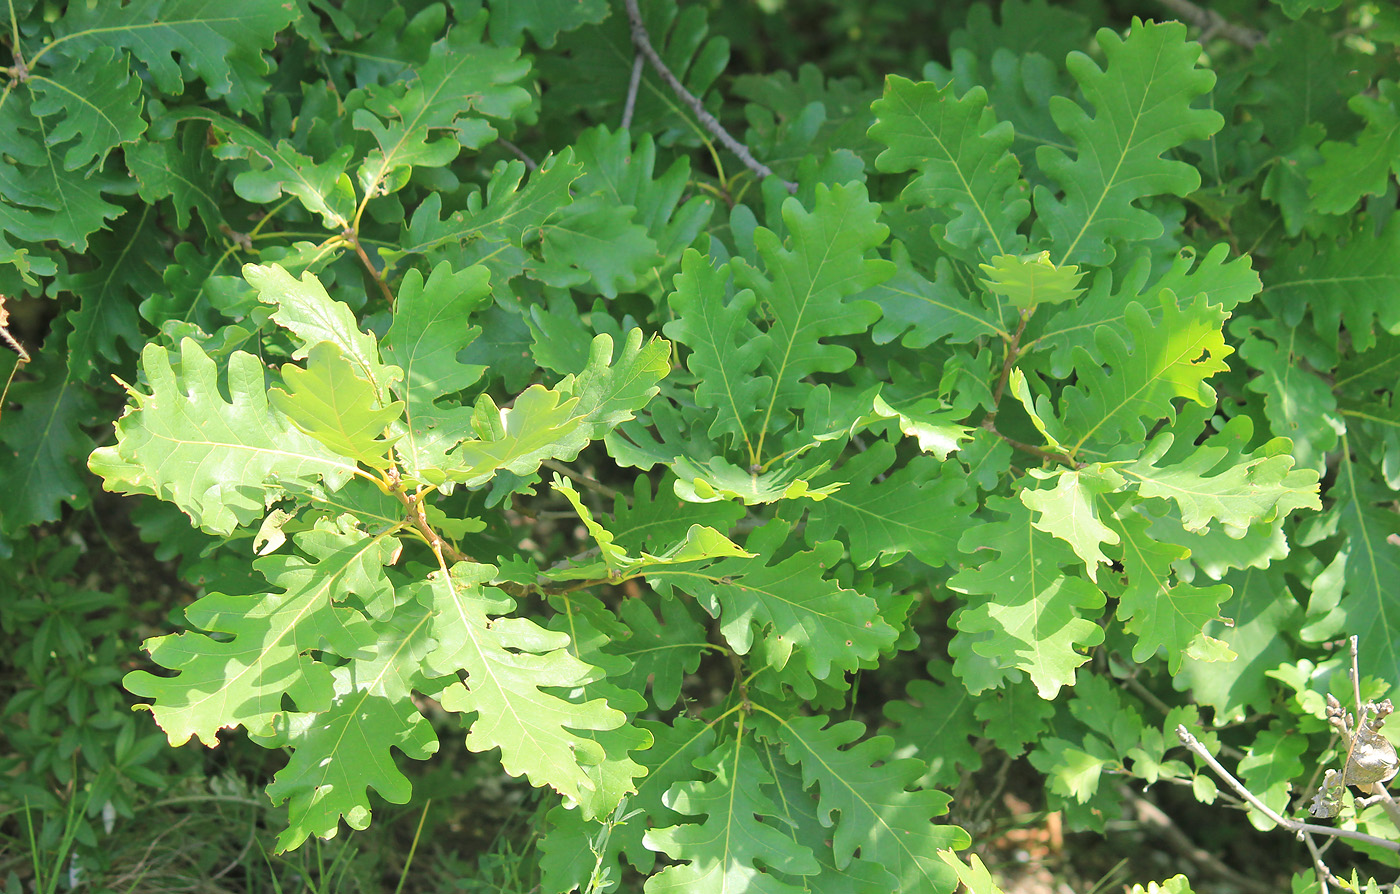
(632, 87)
(1212, 23)
(642, 41)
(592, 484)
(519, 153)
(1292, 825)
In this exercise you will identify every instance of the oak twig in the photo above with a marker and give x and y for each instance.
(642, 41)
(1211, 23)
(519, 153)
(632, 86)
(1296, 826)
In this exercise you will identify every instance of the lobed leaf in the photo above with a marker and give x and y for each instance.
(514, 668)
(1142, 105)
(220, 462)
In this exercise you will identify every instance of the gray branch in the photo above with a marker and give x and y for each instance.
(642, 41)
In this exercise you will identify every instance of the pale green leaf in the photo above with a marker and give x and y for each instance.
(1032, 613)
(1028, 281)
(1162, 611)
(329, 402)
(518, 679)
(1219, 482)
(1070, 510)
(218, 461)
(1166, 359)
(265, 648)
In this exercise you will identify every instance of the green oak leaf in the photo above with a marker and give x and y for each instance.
(966, 171)
(1344, 283)
(804, 286)
(1069, 510)
(173, 37)
(265, 648)
(868, 788)
(888, 514)
(798, 613)
(567, 857)
(1227, 282)
(1143, 107)
(1350, 171)
(305, 309)
(518, 679)
(98, 101)
(1162, 611)
(1028, 281)
(720, 854)
(425, 340)
(1166, 360)
(726, 346)
(557, 423)
(330, 402)
(936, 724)
(1219, 482)
(278, 169)
(1270, 767)
(338, 753)
(218, 461)
(1030, 610)
(1354, 590)
(427, 121)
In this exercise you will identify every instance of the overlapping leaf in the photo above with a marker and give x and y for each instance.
(218, 461)
(339, 753)
(428, 334)
(792, 605)
(1033, 614)
(1167, 359)
(1142, 106)
(1219, 482)
(329, 402)
(567, 856)
(886, 515)
(223, 46)
(1341, 283)
(867, 788)
(804, 286)
(963, 158)
(465, 82)
(1160, 610)
(557, 423)
(1352, 170)
(518, 679)
(263, 649)
(721, 854)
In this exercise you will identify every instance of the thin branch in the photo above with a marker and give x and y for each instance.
(1291, 825)
(1038, 451)
(1012, 354)
(519, 153)
(632, 87)
(351, 237)
(642, 41)
(1212, 23)
(592, 484)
